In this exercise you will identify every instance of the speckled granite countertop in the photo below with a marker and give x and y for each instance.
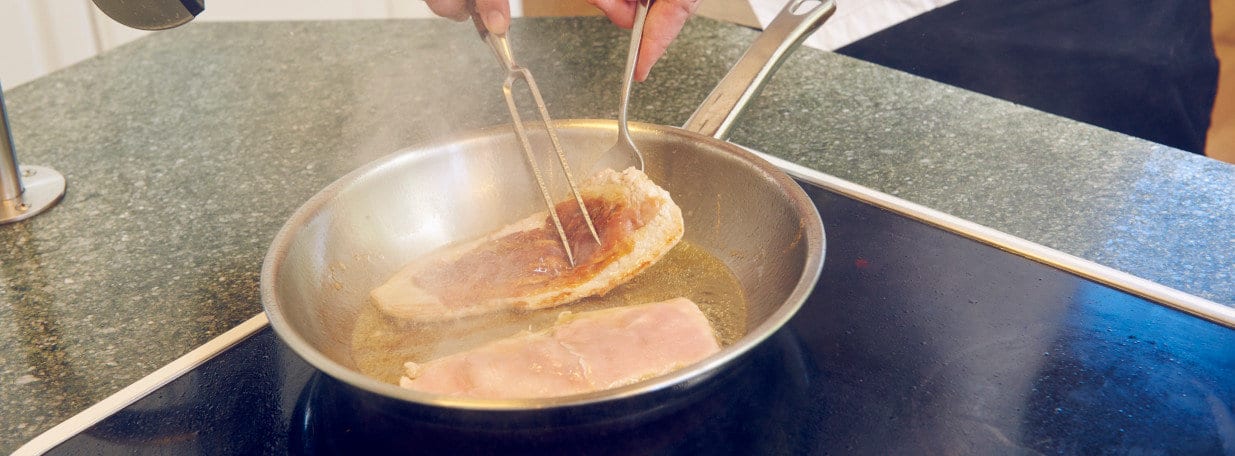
(186, 151)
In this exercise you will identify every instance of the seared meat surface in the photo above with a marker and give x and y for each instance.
(523, 265)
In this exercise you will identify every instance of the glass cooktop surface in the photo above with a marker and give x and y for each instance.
(915, 340)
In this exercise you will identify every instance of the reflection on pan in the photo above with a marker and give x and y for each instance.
(332, 418)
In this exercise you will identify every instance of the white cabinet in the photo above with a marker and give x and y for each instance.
(41, 36)
(280, 10)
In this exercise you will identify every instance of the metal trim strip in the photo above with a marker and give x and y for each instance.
(1153, 291)
(94, 414)
(1114, 278)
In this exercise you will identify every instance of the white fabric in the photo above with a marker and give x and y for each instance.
(853, 20)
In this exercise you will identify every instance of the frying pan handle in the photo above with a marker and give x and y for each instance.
(745, 80)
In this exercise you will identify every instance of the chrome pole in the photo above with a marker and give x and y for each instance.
(42, 188)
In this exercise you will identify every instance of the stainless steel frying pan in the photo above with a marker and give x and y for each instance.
(352, 235)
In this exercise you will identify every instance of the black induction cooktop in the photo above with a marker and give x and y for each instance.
(915, 341)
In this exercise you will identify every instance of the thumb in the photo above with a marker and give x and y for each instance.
(495, 14)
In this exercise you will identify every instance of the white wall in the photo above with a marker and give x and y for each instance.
(41, 36)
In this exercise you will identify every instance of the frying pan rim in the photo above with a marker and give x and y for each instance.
(813, 235)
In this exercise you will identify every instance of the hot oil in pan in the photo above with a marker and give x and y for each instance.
(380, 345)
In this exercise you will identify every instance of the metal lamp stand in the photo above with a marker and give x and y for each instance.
(28, 190)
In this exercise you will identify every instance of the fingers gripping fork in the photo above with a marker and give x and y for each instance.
(515, 73)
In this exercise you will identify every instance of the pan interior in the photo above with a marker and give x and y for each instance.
(349, 238)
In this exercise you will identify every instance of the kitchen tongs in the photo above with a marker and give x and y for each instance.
(514, 73)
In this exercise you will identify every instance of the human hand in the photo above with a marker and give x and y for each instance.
(494, 13)
(665, 19)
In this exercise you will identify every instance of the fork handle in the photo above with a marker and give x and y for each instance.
(497, 43)
(632, 57)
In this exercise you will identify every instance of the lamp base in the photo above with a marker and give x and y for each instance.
(44, 187)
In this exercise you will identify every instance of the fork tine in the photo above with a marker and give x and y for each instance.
(501, 49)
(508, 89)
(561, 155)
